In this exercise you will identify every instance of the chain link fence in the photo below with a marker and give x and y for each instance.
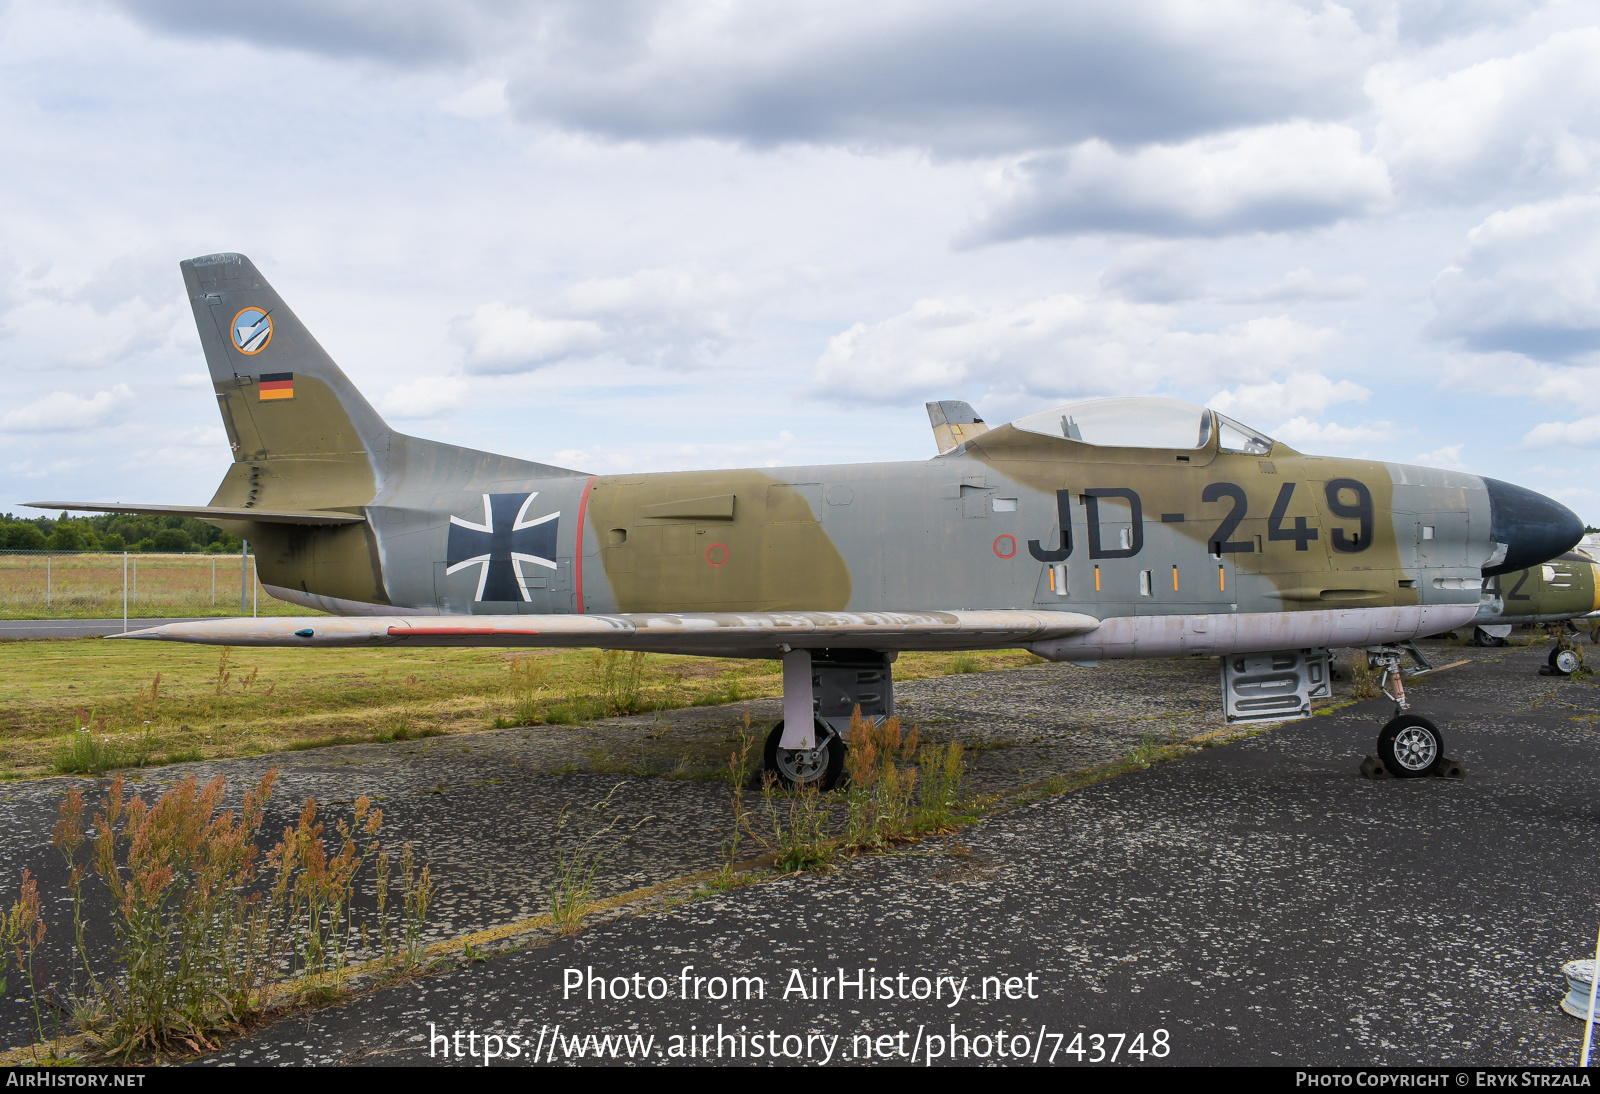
(96, 585)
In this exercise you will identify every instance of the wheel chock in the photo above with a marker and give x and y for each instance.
(1372, 768)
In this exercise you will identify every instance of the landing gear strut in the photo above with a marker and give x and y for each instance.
(1410, 745)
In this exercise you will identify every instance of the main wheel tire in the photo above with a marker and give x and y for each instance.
(821, 767)
(1411, 747)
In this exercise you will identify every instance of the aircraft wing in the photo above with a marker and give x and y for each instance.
(709, 633)
(206, 512)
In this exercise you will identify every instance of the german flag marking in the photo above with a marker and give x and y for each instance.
(276, 385)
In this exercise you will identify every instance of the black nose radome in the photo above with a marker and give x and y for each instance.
(1534, 528)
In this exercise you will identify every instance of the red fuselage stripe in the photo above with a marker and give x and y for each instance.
(577, 554)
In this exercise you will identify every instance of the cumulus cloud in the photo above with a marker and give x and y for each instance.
(1275, 178)
(1305, 434)
(425, 397)
(500, 338)
(1529, 121)
(126, 279)
(62, 411)
(1426, 22)
(400, 31)
(1528, 282)
(1061, 347)
(1448, 456)
(1583, 433)
(1302, 285)
(1153, 273)
(1298, 395)
(679, 317)
(958, 76)
(484, 99)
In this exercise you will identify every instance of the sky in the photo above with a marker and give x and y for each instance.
(650, 235)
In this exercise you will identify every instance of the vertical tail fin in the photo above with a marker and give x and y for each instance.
(283, 400)
(953, 422)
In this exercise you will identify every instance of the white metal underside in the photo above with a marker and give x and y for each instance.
(1264, 632)
(729, 634)
(1059, 636)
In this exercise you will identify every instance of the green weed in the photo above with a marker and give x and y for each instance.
(592, 834)
(1145, 753)
(619, 677)
(801, 827)
(963, 661)
(90, 750)
(1363, 681)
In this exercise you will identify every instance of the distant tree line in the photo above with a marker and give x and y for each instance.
(113, 532)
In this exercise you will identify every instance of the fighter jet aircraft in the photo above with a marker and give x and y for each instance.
(1562, 590)
(1102, 529)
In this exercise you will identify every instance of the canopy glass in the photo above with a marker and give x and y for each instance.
(1143, 423)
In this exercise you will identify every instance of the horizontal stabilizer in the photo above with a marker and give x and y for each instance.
(712, 633)
(205, 512)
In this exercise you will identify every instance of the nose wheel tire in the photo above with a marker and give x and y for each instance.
(1564, 660)
(821, 767)
(1411, 747)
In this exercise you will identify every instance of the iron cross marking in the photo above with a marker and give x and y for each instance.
(502, 544)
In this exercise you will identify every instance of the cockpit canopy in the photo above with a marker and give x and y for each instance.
(1145, 423)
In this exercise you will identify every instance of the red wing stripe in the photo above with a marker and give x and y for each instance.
(451, 632)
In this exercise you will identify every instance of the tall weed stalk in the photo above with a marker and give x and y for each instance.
(580, 840)
(620, 677)
(208, 929)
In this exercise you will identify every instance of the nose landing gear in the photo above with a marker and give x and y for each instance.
(1566, 658)
(1410, 746)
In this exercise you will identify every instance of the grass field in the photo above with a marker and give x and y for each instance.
(211, 702)
(89, 586)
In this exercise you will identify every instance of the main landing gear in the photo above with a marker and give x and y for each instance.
(1410, 745)
(821, 690)
(822, 764)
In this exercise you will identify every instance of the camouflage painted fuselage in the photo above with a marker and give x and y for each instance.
(1567, 587)
(1195, 549)
(975, 528)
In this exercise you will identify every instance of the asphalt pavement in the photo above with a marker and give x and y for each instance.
(1253, 903)
(77, 628)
